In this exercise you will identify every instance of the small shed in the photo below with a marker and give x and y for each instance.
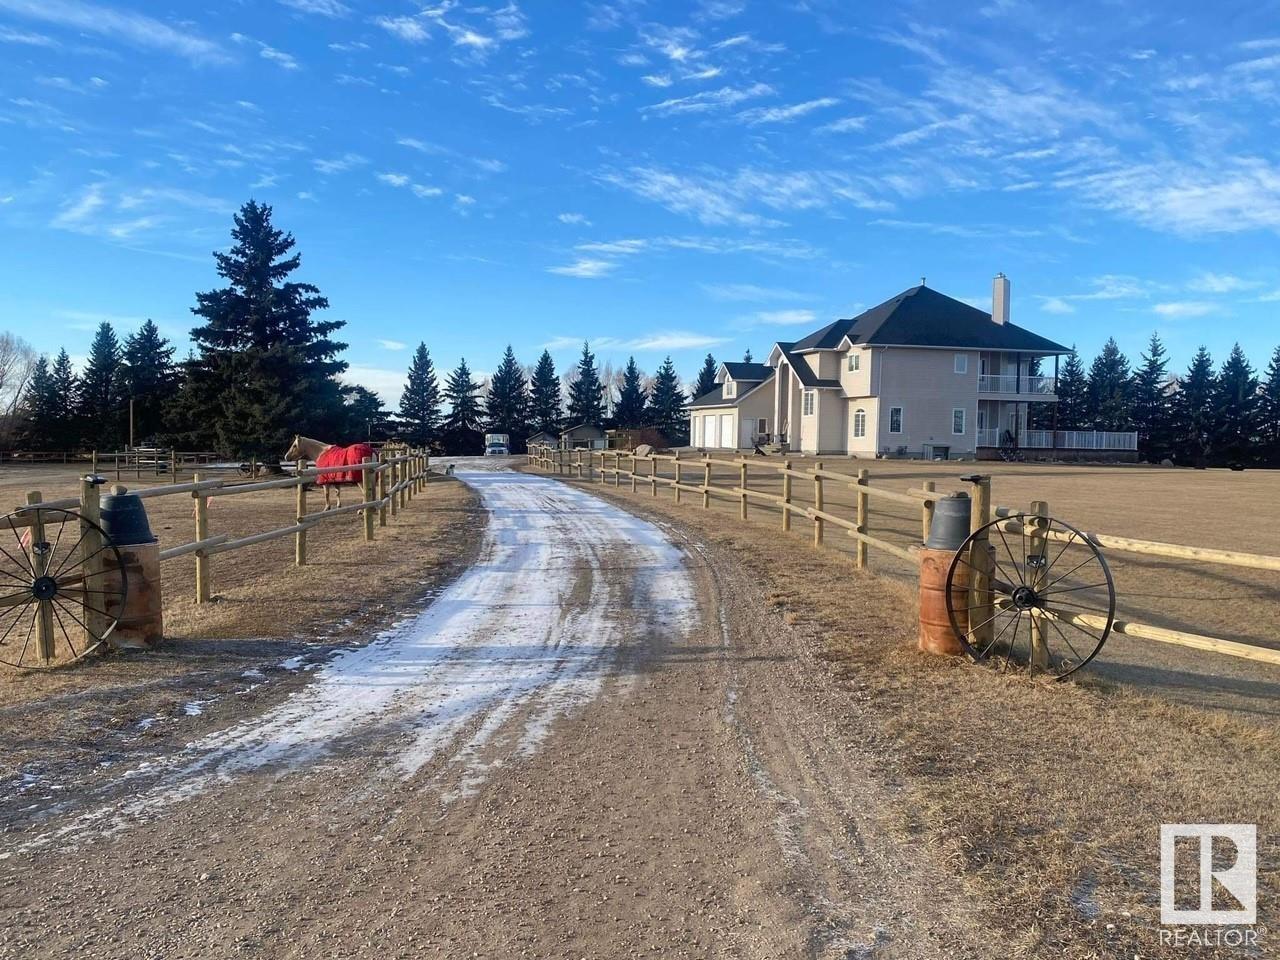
(583, 436)
(543, 436)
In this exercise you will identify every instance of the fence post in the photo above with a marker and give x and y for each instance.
(926, 511)
(742, 479)
(981, 560)
(864, 503)
(617, 469)
(397, 477)
(383, 469)
(786, 495)
(202, 533)
(300, 503)
(706, 483)
(1035, 559)
(406, 475)
(635, 467)
(677, 488)
(366, 491)
(91, 510)
(818, 504)
(44, 618)
(653, 474)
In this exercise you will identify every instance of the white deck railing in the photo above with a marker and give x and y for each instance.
(1066, 439)
(1010, 383)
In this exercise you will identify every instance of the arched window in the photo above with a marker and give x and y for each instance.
(859, 423)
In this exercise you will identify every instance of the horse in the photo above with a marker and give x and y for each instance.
(331, 455)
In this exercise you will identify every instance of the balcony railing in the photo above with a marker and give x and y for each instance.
(1009, 383)
(1066, 439)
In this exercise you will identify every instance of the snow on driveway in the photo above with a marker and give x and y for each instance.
(529, 632)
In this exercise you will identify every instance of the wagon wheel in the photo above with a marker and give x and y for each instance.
(62, 587)
(1053, 601)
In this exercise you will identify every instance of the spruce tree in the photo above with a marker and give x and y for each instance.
(1194, 409)
(746, 356)
(149, 378)
(706, 381)
(1235, 410)
(508, 403)
(586, 393)
(629, 410)
(544, 396)
(367, 418)
(41, 408)
(1269, 412)
(266, 368)
(1152, 407)
(1071, 394)
(460, 391)
(666, 410)
(1109, 401)
(101, 397)
(420, 402)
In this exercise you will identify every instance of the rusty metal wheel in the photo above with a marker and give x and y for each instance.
(63, 586)
(1052, 604)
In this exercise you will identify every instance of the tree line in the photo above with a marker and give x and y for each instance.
(264, 366)
(1227, 415)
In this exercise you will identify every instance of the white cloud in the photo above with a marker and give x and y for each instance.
(657, 79)
(26, 39)
(748, 292)
(709, 100)
(342, 164)
(585, 269)
(400, 180)
(387, 384)
(75, 214)
(574, 219)
(425, 192)
(267, 52)
(844, 125)
(390, 344)
(323, 8)
(1056, 305)
(1208, 282)
(786, 114)
(784, 318)
(409, 29)
(394, 179)
(657, 342)
(1184, 308)
(132, 28)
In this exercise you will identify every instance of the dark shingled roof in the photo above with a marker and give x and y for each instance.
(921, 317)
(715, 396)
(749, 371)
(800, 367)
(712, 398)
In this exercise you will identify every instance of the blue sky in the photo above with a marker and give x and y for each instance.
(659, 177)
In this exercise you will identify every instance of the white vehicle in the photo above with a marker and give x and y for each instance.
(497, 444)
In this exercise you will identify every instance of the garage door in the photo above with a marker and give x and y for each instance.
(709, 430)
(726, 430)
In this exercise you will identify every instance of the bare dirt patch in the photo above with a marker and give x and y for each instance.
(1044, 801)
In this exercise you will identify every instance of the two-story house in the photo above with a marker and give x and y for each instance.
(920, 375)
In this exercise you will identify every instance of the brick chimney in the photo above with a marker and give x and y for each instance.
(1000, 299)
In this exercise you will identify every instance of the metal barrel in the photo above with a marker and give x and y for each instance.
(950, 527)
(124, 519)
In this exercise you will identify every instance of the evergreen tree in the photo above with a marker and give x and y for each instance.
(41, 408)
(266, 369)
(149, 378)
(1109, 402)
(746, 357)
(706, 381)
(1071, 394)
(666, 410)
(460, 391)
(586, 393)
(100, 401)
(544, 396)
(1269, 411)
(1152, 407)
(420, 402)
(367, 418)
(1194, 408)
(508, 402)
(1235, 410)
(629, 410)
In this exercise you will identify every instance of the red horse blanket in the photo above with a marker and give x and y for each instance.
(338, 456)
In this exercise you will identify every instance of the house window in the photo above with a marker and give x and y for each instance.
(855, 361)
(895, 419)
(762, 427)
(859, 423)
(962, 363)
(807, 409)
(957, 421)
(730, 389)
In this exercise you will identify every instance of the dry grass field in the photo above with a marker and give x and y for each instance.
(259, 595)
(1044, 799)
(1209, 508)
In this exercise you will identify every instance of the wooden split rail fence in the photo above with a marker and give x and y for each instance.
(693, 474)
(387, 485)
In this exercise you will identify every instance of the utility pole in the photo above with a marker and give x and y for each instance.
(131, 423)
